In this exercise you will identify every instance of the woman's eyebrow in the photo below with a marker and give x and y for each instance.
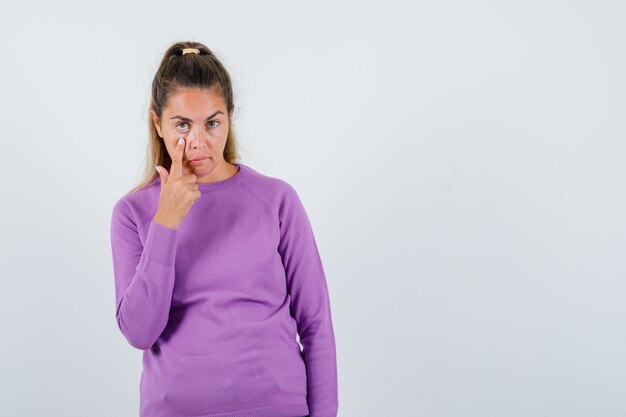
(189, 120)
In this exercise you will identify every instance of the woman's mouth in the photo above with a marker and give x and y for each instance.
(197, 161)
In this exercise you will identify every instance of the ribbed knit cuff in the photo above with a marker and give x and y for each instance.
(161, 243)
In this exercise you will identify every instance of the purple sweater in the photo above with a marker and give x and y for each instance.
(215, 305)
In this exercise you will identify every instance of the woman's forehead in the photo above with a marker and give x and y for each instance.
(195, 104)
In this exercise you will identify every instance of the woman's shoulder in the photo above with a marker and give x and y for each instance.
(270, 189)
(138, 205)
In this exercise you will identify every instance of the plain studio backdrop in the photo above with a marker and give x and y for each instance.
(462, 164)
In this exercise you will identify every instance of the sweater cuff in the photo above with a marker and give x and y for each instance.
(161, 243)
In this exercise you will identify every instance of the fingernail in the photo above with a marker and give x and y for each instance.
(181, 140)
(157, 170)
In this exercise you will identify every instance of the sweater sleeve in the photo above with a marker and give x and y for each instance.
(144, 276)
(310, 304)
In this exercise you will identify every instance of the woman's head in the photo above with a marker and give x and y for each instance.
(192, 97)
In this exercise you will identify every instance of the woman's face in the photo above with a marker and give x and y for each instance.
(199, 116)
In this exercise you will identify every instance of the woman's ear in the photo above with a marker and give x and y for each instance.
(157, 122)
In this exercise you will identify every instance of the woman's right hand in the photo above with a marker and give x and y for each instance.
(178, 191)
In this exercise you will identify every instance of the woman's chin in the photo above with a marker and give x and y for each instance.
(202, 170)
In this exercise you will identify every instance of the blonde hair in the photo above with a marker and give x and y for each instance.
(190, 70)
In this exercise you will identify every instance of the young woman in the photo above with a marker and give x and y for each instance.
(216, 265)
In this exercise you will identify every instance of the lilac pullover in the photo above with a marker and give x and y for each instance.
(215, 305)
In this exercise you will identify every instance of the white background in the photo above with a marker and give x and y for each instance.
(462, 164)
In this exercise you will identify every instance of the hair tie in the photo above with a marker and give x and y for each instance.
(191, 51)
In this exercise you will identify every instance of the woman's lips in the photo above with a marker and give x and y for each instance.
(197, 161)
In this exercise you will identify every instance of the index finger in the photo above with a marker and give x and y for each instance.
(177, 159)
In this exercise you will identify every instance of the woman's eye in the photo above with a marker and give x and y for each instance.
(185, 123)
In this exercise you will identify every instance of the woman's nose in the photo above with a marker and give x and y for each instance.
(196, 138)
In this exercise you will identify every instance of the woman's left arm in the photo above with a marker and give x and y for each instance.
(310, 304)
